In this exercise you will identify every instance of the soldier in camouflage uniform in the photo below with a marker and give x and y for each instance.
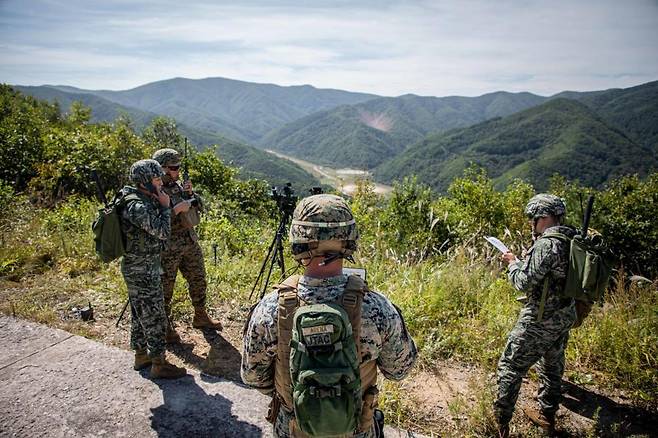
(145, 220)
(540, 335)
(323, 232)
(182, 251)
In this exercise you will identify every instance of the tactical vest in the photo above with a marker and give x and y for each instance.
(183, 221)
(289, 301)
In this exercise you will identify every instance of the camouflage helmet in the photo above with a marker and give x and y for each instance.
(143, 171)
(322, 224)
(167, 157)
(544, 205)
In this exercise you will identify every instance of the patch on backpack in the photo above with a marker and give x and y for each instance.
(318, 336)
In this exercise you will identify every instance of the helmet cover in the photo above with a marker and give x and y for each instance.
(543, 205)
(322, 218)
(143, 171)
(167, 157)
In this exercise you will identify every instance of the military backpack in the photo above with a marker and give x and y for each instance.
(318, 374)
(109, 239)
(588, 274)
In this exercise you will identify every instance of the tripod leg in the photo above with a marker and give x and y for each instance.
(279, 250)
(269, 273)
(262, 268)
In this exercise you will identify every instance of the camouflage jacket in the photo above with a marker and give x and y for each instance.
(147, 225)
(384, 337)
(547, 257)
(175, 191)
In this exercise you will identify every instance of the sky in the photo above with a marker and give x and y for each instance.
(385, 47)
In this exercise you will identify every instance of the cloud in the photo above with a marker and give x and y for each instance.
(383, 47)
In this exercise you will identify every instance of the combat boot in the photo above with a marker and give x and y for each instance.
(203, 320)
(539, 418)
(502, 429)
(162, 369)
(171, 335)
(142, 360)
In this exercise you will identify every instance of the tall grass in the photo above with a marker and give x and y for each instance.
(456, 300)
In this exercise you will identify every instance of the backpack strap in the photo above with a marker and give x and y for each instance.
(287, 305)
(122, 200)
(544, 292)
(559, 236)
(352, 302)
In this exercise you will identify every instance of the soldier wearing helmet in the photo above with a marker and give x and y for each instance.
(324, 233)
(182, 251)
(541, 333)
(145, 221)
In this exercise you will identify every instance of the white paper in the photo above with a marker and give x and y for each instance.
(500, 246)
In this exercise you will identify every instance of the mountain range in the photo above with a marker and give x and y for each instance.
(240, 110)
(510, 134)
(369, 133)
(560, 136)
(252, 162)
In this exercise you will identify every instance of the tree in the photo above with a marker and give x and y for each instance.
(162, 133)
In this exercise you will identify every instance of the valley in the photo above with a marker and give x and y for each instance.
(343, 179)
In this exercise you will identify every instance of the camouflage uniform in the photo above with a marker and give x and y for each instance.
(147, 226)
(531, 341)
(384, 338)
(182, 252)
(323, 226)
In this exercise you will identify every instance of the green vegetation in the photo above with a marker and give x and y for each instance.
(258, 164)
(370, 133)
(253, 163)
(633, 110)
(337, 137)
(423, 250)
(561, 136)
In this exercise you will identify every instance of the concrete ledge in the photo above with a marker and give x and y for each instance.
(58, 385)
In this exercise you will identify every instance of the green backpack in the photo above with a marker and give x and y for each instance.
(324, 368)
(109, 239)
(590, 267)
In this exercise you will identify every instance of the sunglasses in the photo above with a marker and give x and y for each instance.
(173, 167)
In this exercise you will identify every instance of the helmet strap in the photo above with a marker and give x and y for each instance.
(535, 234)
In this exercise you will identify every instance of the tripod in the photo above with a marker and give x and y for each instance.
(275, 252)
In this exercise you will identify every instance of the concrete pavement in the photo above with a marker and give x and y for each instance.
(55, 384)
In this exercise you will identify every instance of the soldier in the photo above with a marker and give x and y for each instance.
(182, 250)
(542, 330)
(145, 221)
(323, 232)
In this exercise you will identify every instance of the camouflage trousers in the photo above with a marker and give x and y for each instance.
(184, 254)
(530, 342)
(142, 277)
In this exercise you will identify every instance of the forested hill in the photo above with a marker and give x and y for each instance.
(561, 136)
(367, 134)
(241, 110)
(255, 163)
(633, 110)
(252, 162)
(103, 110)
